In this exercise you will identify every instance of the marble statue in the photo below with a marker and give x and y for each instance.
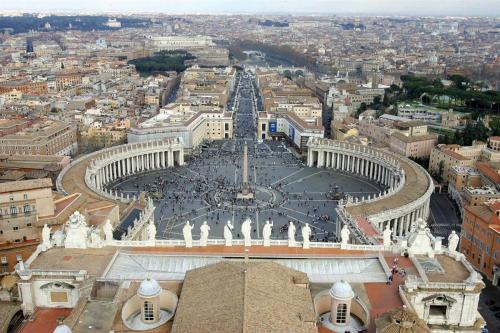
(204, 229)
(107, 228)
(306, 235)
(58, 238)
(266, 232)
(291, 234)
(420, 241)
(76, 232)
(387, 235)
(46, 244)
(188, 236)
(228, 233)
(151, 231)
(453, 241)
(95, 238)
(344, 235)
(246, 230)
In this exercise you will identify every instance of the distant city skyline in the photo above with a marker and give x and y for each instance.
(378, 7)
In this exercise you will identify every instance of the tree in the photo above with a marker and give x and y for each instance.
(362, 108)
(459, 81)
(495, 126)
(437, 84)
(472, 131)
(287, 74)
(385, 101)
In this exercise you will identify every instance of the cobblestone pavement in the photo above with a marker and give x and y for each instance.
(485, 307)
(443, 216)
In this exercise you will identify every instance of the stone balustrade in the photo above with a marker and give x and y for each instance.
(138, 229)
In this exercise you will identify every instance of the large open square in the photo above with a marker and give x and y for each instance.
(284, 189)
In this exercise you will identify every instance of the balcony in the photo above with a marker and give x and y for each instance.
(18, 214)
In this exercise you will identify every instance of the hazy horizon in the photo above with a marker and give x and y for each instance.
(366, 7)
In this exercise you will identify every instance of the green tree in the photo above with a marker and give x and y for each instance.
(362, 108)
(495, 126)
(459, 81)
(437, 84)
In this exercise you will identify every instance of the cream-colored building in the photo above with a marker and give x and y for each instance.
(193, 124)
(100, 135)
(279, 94)
(444, 157)
(413, 145)
(41, 138)
(21, 204)
(494, 142)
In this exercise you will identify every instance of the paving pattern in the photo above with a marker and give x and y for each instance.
(285, 189)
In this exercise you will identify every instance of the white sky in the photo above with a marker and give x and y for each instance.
(408, 7)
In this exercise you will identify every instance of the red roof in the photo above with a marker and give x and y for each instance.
(488, 171)
(45, 320)
(366, 227)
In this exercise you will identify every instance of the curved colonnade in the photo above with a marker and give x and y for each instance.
(131, 159)
(405, 200)
(107, 165)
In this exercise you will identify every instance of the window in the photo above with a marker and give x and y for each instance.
(26, 208)
(25, 196)
(438, 310)
(341, 313)
(5, 266)
(148, 311)
(13, 210)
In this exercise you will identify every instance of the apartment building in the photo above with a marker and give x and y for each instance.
(44, 137)
(24, 86)
(480, 238)
(494, 143)
(193, 124)
(444, 157)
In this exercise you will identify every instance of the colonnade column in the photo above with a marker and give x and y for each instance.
(181, 157)
(321, 155)
(170, 158)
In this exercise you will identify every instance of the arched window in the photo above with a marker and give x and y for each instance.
(149, 314)
(341, 313)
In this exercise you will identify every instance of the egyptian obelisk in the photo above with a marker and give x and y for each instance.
(245, 191)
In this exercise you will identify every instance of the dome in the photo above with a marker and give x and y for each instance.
(149, 288)
(61, 328)
(341, 290)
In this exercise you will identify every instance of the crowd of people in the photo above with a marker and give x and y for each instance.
(206, 188)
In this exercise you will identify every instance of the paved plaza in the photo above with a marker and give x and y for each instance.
(284, 188)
